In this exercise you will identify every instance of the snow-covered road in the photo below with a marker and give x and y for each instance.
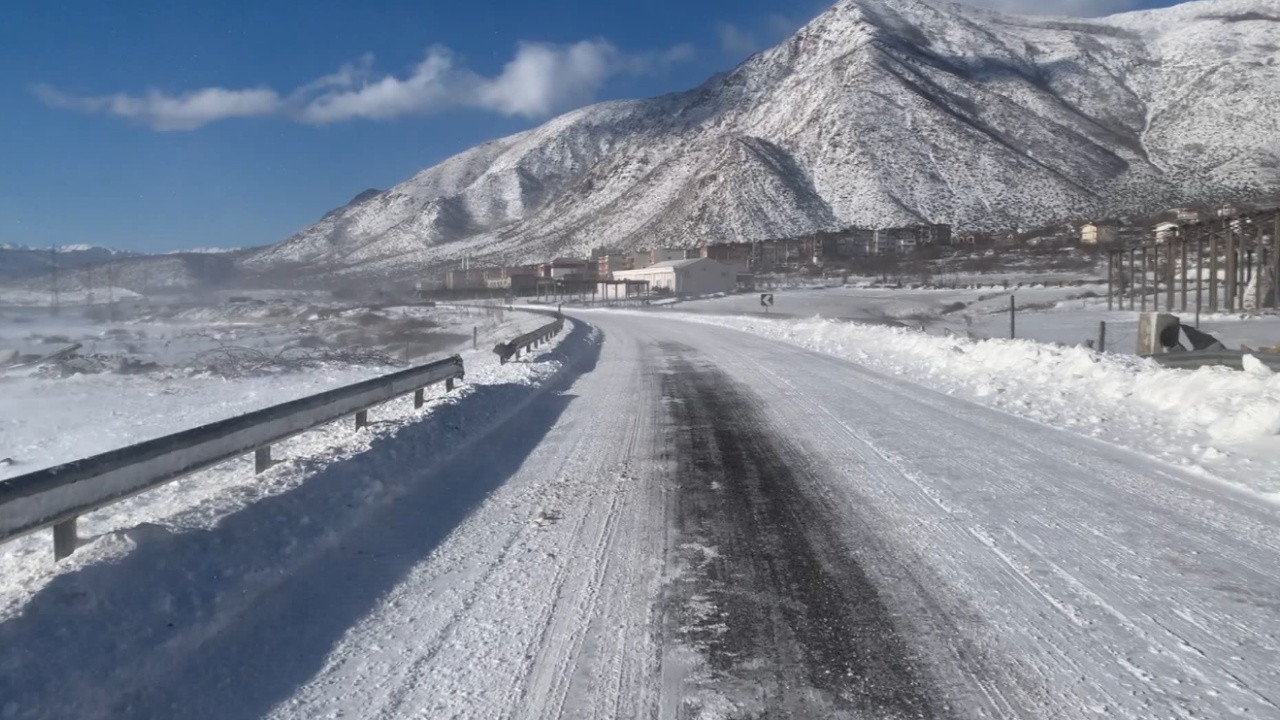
(693, 522)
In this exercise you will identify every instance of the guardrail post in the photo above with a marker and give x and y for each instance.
(261, 459)
(419, 399)
(448, 385)
(362, 419)
(64, 538)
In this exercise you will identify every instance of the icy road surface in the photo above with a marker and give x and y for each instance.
(692, 522)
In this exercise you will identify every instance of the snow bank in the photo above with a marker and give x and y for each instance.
(1211, 417)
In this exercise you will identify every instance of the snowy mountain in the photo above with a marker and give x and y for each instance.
(878, 112)
(24, 261)
(86, 268)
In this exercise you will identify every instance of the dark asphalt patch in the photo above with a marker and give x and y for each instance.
(787, 621)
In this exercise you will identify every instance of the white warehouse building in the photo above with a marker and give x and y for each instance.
(697, 276)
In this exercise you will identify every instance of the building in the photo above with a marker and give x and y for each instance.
(727, 253)
(468, 279)
(905, 240)
(884, 242)
(934, 234)
(614, 290)
(855, 242)
(607, 265)
(1229, 209)
(501, 278)
(819, 249)
(661, 255)
(1132, 235)
(644, 258)
(1165, 231)
(697, 276)
(1097, 234)
(567, 269)
(1187, 215)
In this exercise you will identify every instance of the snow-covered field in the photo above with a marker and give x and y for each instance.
(196, 365)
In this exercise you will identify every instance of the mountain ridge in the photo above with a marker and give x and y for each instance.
(874, 114)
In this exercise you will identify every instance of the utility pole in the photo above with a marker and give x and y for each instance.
(53, 270)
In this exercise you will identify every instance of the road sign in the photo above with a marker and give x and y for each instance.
(766, 299)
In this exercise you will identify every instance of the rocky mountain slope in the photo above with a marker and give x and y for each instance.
(878, 112)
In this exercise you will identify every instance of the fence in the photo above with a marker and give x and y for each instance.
(1230, 263)
(57, 496)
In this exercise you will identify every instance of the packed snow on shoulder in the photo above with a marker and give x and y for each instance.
(1221, 423)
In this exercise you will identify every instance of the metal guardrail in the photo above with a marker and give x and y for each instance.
(1206, 358)
(55, 497)
(511, 350)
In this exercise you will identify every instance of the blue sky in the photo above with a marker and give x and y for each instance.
(168, 124)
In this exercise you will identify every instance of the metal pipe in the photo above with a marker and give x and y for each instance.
(1133, 281)
(1232, 266)
(1213, 272)
(1144, 278)
(1255, 273)
(1155, 278)
(1183, 244)
(1199, 274)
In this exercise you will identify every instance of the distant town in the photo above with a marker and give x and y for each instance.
(727, 267)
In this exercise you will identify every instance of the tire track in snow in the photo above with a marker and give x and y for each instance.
(788, 623)
(1102, 533)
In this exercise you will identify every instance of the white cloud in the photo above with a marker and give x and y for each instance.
(431, 85)
(186, 111)
(541, 79)
(1069, 8)
(736, 41)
